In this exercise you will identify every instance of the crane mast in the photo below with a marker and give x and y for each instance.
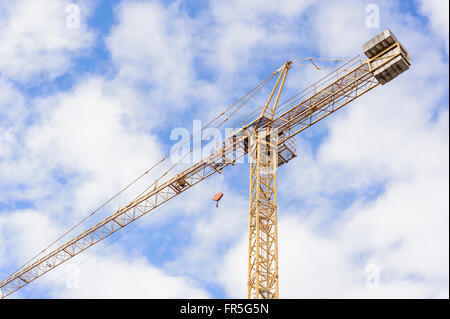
(263, 233)
(269, 140)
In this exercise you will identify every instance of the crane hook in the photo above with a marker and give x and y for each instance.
(217, 198)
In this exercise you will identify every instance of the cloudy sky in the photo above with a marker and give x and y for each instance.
(86, 106)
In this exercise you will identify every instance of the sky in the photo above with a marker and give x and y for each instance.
(93, 93)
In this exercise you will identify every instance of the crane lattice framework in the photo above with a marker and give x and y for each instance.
(269, 141)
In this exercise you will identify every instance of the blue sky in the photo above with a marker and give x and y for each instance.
(85, 110)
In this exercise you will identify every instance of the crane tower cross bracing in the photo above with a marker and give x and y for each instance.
(269, 140)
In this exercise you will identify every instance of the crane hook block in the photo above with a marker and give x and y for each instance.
(217, 198)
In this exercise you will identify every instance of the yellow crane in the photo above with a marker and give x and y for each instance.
(267, 137)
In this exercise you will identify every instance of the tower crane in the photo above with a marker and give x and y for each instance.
(268, 139)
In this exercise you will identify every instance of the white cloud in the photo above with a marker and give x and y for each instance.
(242, 34)
(88, 276)
(12, 111)
(35, 40)
(232, 274)
(23, 234)
(169, 52)
(80, 150)
(340, 28)
(312, 265)
(99, 278)
(152, 45)
(437, 13)
(209, 232)
(86, 132)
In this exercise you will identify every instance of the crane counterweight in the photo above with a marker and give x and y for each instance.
(380, 49)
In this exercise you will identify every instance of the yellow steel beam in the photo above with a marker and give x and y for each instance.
(263, 243)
